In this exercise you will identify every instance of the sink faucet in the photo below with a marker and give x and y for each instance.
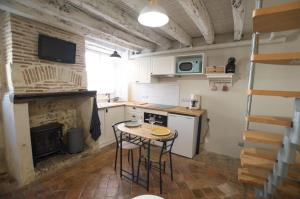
(108, 95)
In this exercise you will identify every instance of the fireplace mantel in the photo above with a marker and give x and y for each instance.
(31, 97)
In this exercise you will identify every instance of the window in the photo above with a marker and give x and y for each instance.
(106, 74)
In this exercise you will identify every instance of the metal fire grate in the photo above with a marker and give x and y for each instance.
(46, 140)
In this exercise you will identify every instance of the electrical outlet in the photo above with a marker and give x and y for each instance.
(241, 144)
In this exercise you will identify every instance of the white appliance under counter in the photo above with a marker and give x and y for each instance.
(187, 127)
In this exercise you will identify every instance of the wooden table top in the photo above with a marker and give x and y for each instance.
(144, 131)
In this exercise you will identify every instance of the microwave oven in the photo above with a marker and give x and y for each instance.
(189, 64)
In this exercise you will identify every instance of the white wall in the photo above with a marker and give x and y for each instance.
(157, 93)
(226, 110)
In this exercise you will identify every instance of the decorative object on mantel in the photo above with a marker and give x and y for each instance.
(153, 15)
(230, 67)
(95, 129)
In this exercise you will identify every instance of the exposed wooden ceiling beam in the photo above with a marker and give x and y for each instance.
(64, 16)
(172, 28)
(110, 12)
(238, 12)
(197, 11)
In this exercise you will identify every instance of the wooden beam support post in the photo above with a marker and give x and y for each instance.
(238, 12)
(198, 13)
(64, 16)
(171, 28)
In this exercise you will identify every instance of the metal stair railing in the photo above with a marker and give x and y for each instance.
(254, 50)
(286, 155)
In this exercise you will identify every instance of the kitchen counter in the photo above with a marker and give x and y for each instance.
(176, 109)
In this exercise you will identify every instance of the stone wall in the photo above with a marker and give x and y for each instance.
(31, 74)
(64, 111)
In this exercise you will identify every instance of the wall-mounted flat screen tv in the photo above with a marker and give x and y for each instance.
(54, 49)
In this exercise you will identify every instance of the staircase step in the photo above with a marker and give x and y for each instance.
(250, 179)
(277, 18)
(274, 93)
(294, 174)
(292, 58)
(289, 189)
(256, 162)
(255, 172)
(281, 121)
(296, 165)
(263, 137)
(260, 153)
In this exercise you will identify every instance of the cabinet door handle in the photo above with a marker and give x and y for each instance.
(106, 110)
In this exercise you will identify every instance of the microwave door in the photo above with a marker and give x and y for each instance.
(185, 67)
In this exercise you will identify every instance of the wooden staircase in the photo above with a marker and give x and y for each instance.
(277, 18)
(264, 119)
(273, 171)
(274, 93)
(263, 137)
(277, 58)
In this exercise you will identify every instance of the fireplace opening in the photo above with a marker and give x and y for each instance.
(46, 140)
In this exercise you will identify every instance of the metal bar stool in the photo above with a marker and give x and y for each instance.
(159, 155)
(126, 145)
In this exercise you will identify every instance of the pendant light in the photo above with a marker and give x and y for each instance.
(153, 15)
(115, 54)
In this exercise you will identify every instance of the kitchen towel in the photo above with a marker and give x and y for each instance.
(95, 129)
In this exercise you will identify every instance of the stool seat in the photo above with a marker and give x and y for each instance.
(128, 146)
(147, 197)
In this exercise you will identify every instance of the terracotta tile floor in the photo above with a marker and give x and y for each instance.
(207, 176)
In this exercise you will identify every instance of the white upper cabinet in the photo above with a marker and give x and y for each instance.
(163, 65)
(140, 69)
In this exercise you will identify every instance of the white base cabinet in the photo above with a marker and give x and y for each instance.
(108, 117)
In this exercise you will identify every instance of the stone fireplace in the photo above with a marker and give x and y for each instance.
(35, 92)
(21, 115)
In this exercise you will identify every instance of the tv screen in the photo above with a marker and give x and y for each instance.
(54, 49)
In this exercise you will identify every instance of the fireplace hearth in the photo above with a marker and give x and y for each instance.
(46, 140)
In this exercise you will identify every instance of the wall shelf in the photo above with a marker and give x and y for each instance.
(222, 78)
